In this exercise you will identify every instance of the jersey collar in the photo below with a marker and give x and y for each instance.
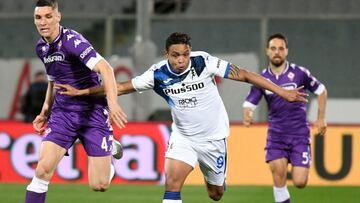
(284, 71)
(172, 72)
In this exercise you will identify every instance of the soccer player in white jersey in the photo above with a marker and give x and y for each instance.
(200, 122)
(288, 139)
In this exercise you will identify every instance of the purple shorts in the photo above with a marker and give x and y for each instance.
(296, 149)
(91, 127)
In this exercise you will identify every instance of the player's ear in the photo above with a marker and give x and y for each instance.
(59, 16)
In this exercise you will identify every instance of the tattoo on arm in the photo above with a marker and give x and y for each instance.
(235, 73)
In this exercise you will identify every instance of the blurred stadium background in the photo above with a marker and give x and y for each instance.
(324, 36)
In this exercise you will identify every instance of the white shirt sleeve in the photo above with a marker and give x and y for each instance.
(144, 81)
(217, 66)
(250, 105)
(320, 89)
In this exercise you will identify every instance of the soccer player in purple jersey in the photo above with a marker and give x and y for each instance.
(200, 122)
(69, 58)
(288, 137)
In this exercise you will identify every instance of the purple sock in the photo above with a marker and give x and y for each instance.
(33, 197)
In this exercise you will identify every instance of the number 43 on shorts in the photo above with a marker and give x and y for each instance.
(104, 143)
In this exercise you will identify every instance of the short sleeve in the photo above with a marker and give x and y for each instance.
(81, 48)
(253, 98)
(311, 83)
(145, 81)
(217, 66)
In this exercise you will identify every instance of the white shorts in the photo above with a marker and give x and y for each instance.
(211, 156)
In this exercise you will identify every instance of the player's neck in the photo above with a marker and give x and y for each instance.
(53, 37)
(278, 70)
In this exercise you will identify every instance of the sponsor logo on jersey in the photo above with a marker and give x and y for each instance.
(57, 56)
(77, 42)
(86, 52)
(168, 80)
(184, 88)
(218, 64)
(188, 102)
(69, 36)
(287, 86)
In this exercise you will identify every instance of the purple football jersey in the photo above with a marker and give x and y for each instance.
(69, 60)
(286, 118)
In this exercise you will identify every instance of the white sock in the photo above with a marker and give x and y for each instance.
(171, 201)
(37, 185)
(281, 194)
(112, 172)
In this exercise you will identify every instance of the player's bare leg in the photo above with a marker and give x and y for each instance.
(175, 175)
(300, 176)
(215, 192)
(278, 169)
(99, 173)
(36, 190)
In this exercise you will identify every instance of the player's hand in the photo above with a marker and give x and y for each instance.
(39, 124)
(320, 125)
(247, 117)
(117, 114)
(296, 95)
(67, 90)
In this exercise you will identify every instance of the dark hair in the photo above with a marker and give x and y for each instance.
(277, 36)
(39, 73)
(177, 38)
(51, 3)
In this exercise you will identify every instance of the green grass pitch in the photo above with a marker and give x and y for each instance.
(14, 193)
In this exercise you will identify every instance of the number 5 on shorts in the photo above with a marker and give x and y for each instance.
(306, 157)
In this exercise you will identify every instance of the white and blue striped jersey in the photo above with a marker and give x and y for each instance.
(198, 111)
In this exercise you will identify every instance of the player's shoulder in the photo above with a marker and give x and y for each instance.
(71, 37)
(266, 72)
(159, 65)
(298, 68)
(199, 54)
(40, 46)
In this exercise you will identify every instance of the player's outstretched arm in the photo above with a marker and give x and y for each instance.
(244, 75)
(65, 89)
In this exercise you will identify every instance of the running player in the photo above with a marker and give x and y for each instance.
(69, 58)
(200, 122)
(288, 134)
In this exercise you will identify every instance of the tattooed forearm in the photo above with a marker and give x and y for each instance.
(236, 73)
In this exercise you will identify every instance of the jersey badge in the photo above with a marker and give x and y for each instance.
(291, 76)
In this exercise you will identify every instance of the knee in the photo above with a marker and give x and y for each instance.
(99, 187)
(216, 195)
(300, 184)
(172, 184)
(43, 172)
